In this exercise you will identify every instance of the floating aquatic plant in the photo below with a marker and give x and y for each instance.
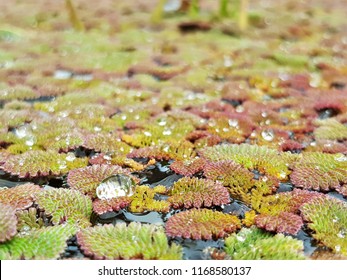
(330, 129)
(18, 92)
(201, 224)
(8, 222)
(253, 157)
(133, 241)
(240, 181)
(40, 244)
(106, 143)
(249, 219)
(183, 150)
(255, 244)
(87, 179)
(232, 128)
(280, 212)
(197, 193)
(29, 219)
(41, 163)
(156, 133)
(328, 219)
(144, 200)
(65, 205)
(319, 171)
(282, 223)
(101, 206)
(19, 197)
(188, 167)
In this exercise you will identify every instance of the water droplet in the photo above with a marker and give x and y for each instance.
(341, 157)
(233, 122)
(166, 149)
(147, 133)
(97, 128)
(228, 62)
(63, 114)
(62, 74)
(240, 238)
(268, 135)
(70, 157)
(23, 131)
(115, 186)
(62, 164)
(167, 132)
(107, 157)
(282, 174)
(172, 6)
(264, 114)
(162, 122)
(239, 109)
(337, 248)
(341, 234)
(30, 141)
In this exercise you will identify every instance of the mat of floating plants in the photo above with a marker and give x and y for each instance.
(153, 129)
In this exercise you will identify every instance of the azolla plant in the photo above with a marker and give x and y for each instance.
(173, 130)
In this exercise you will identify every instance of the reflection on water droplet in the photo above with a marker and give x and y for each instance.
(30, 141)
(233, 122)
(283, 175)
(228, 62)
(62, 74)
(115, 186)
(22, 131)
(167, 132)
(62, 164)
(341, 157)
(239, 109)
(107, 157)
(70, 157)
(337, 248)
(97, 128)
(341, 234)
(264, 114)
(240, 238)
(172, 6)
(162, 122)
(268, 135)
(147, 133)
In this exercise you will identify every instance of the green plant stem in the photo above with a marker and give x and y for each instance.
(243, 15)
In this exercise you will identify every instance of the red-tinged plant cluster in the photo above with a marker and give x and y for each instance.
(197, 193)
(201, 224)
